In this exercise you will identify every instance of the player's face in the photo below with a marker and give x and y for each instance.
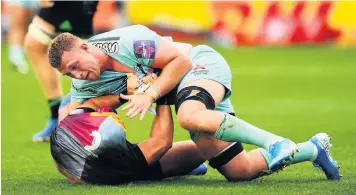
(80, 63)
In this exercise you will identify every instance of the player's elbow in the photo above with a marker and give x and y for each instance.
(186, 62)
(163, 145)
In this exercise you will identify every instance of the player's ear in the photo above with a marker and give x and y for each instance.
(84, 46)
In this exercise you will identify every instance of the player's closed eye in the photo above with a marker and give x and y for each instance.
(74, 67)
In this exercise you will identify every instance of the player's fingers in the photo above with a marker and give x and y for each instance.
(132, 110)
(129, 106)
(133, 84)
(137, 83)
(154, 76)
(129, 75)
(143, 113)
(146, 79)
(126, 97)
(138, 111)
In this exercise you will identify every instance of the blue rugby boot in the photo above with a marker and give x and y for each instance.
(323, 161)
(282, 154)
(201, 170)
(44, 135)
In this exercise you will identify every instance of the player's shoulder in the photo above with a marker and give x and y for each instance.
(133, 27)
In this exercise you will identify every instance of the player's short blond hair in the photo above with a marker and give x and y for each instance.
(63, 42)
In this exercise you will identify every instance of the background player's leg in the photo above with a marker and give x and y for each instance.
(19, 20)
(47, 76)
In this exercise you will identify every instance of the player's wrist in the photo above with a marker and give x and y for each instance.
(121, 100)
(153, 92)
(162, 101)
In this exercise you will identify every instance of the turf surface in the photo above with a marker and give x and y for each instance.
(295, 92)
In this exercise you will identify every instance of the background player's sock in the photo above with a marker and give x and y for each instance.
(44, 134)
(307, 152)
(54, 106)
(233, 129)
(18, 59)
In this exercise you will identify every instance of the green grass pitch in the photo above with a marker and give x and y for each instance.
(295, 92)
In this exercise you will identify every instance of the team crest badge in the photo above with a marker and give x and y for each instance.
(144, 49)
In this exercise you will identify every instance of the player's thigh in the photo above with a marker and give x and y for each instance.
(210, 74)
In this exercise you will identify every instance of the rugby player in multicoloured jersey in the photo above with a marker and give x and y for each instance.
(89, 145)
(203, 80)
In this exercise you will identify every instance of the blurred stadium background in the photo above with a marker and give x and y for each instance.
(294, 73)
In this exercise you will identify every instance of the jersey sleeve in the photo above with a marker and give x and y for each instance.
(139, 45)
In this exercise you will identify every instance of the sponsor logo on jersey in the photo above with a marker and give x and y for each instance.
(200, 70)
(145, 49)
(108, 44)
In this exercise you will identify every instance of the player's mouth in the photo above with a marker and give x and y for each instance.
(86, 78)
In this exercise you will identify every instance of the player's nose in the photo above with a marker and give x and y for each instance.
(78, 75)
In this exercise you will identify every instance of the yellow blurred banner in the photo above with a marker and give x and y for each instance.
(254, 22)
(238, 22)
(190, 16)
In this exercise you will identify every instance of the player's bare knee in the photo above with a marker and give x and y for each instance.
(191, 100)
(185, 120)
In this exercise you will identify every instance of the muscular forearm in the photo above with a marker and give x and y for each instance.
(172, 74)
(94, 103)
(162, 127)
(161, 136)
(62, 113)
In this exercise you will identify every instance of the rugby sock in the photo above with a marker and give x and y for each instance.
(54, 106)
(16, 53)
(266, 155)
(307, 152)
(233, 129)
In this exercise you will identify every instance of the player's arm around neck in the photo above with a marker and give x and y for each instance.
(161, 137)
(174, 64)
(111, 101)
